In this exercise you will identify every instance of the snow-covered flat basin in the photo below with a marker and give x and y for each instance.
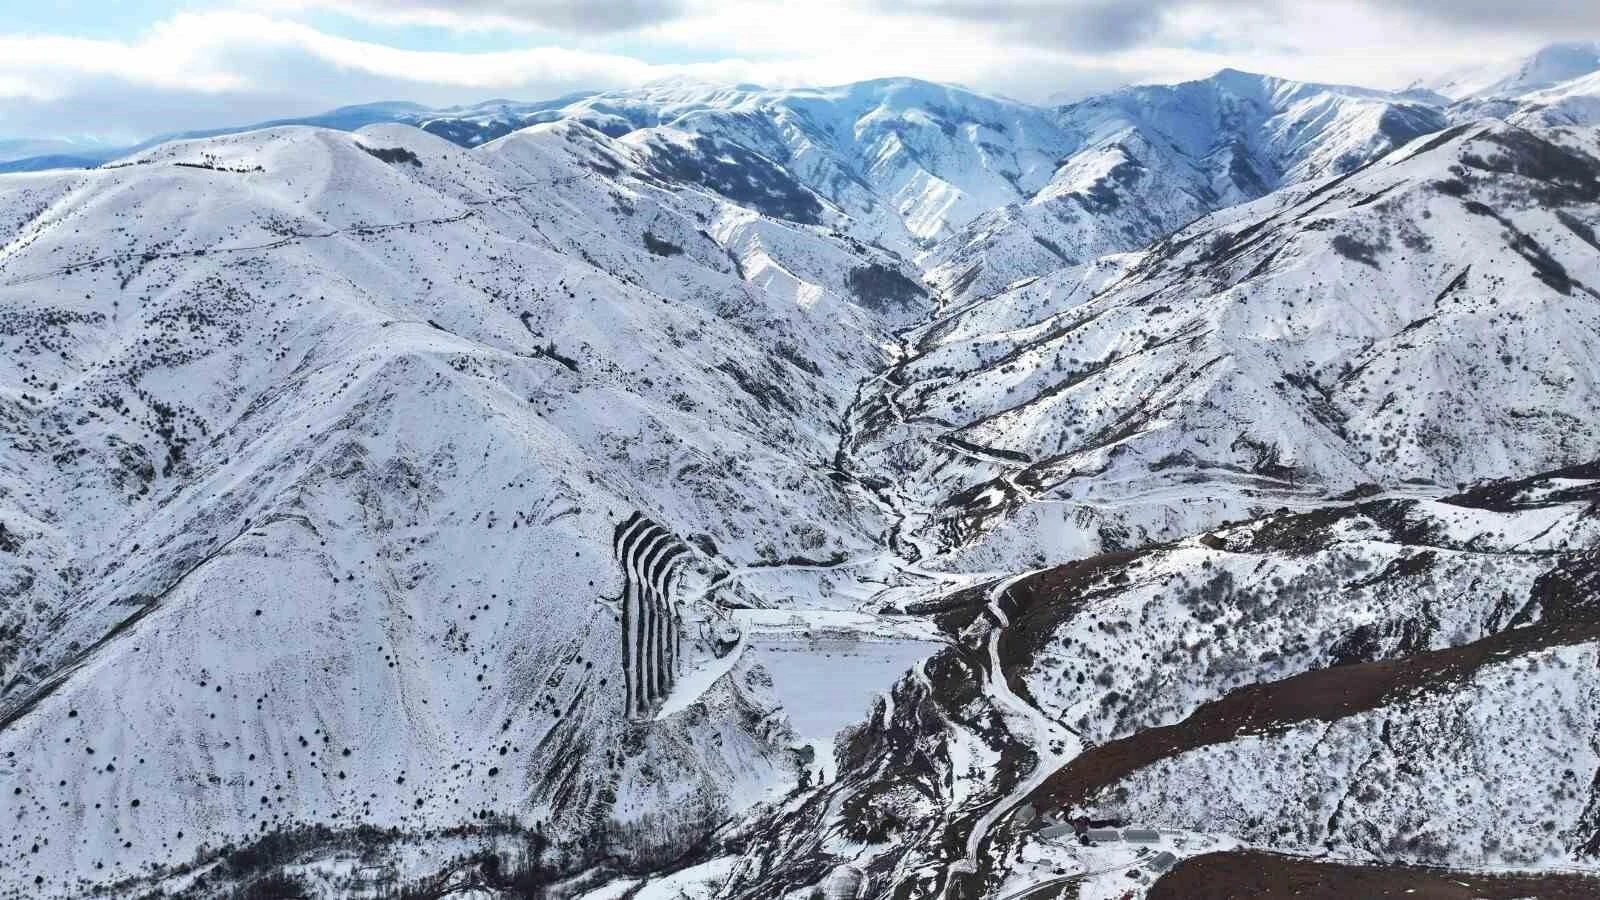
(827, 683)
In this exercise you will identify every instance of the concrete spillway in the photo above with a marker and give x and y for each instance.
(650, 557)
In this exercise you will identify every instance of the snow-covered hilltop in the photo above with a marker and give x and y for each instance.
(878, 490)
(319, 440)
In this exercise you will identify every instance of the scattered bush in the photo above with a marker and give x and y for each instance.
(661, 246)
(878, 287)
(276, 886)
(393, 155)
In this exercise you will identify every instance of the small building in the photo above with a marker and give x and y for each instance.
(1161, 862)
(1141, 835)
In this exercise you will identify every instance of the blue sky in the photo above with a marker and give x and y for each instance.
(123, 19)
(109, 18)
(121, 70)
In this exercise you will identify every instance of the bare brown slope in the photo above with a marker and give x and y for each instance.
(1267, 876)
(1569, 597)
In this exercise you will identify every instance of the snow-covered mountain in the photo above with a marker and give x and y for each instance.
(906, 160)
(1146, 160)
(987, 191)
(1557, 86)
(1427, 319)
(24, 148)
(1508, 79)
(880, 490)
(1571, 103)
(1408, 685)
(319, 439)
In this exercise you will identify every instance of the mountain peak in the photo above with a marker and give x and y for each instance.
(1556, 63)
(1546, 67)
(1243, 82)
(692, 82)
(1228, 73)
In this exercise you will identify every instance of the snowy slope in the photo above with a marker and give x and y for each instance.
(1428, 319)
(1502, 79)
(1147, 160)
(1571, 103)
(315, 445)
(988, 189)
(1554, 87)
(1389, 682)
(909, 161)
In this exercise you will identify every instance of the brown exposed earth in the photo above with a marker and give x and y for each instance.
(1570, 617)
(1266, 876)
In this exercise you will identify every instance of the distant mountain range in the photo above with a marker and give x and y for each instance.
(1511, 79)
(991, 190)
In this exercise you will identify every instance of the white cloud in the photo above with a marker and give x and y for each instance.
(228, 68)
(575, 16)
(1548, 20)
(235, 66)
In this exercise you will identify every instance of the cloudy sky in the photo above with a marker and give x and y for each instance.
(126, 69)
